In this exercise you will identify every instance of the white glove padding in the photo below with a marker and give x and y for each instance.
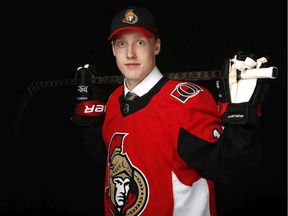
(243, 75)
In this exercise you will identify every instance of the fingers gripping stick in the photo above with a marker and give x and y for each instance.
(83, 79)
(243, 76)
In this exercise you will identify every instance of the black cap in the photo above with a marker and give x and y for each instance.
(134, 18)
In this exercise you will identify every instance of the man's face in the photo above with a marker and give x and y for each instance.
(135, 55)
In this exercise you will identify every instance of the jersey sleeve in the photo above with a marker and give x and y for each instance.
(220, 154)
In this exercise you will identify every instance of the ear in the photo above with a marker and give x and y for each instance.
(157, 47)
(113, 50)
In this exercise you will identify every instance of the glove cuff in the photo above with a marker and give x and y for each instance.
(92, 108)
(87, 121)
(241, 113)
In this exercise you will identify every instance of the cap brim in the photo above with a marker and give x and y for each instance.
(142, 30)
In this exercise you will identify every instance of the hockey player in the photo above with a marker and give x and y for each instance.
(164, 149)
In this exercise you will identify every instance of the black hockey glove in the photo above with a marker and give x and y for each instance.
(91, 99)
(243, 84)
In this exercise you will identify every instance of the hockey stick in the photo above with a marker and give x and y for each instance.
(118, 79)
(270, 72)
(34, 87)
(104, 80)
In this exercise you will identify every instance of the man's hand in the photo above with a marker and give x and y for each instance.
(91, 99)
(243, 84)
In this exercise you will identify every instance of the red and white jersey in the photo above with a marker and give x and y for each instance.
(145, 174)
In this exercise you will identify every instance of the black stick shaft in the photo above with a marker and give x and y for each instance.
(104, 80)
(185, 76)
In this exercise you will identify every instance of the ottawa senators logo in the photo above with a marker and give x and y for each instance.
(127, 191)
(130, 17)
(184, 91)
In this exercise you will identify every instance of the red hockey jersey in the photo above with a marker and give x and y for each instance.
(145, 175)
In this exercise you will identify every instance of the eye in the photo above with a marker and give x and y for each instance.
(140, 43)
(121, 43)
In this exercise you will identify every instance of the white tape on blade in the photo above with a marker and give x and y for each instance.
(270, 73)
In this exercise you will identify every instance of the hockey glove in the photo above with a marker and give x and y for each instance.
(243, 84)
(90, 99)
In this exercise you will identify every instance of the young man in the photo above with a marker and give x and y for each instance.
(167, 146)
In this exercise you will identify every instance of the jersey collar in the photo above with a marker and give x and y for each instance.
(146, 84)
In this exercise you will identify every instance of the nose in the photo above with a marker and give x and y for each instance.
(131, 51)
